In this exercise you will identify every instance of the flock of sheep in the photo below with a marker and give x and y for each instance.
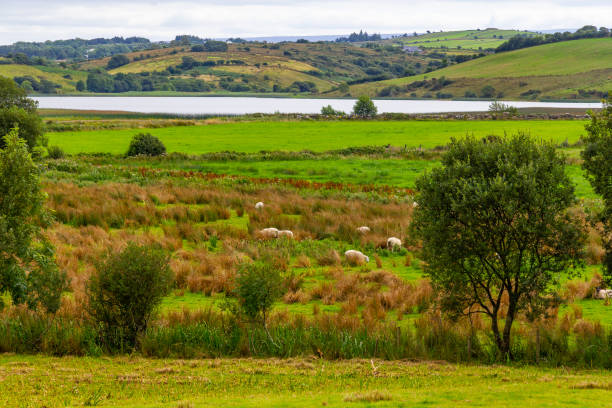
(352, 256)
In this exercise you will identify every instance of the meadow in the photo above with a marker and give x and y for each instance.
(32, 381)
(316, 136)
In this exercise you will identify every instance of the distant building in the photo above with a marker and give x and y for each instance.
(412, 50)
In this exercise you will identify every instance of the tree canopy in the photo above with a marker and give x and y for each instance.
(494, 227)
(17, 110)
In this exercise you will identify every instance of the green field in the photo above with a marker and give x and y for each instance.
(31, 381)
(315, 136)
(467, 39)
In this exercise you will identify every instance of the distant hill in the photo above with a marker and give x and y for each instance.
(488, 39)
(579, 69)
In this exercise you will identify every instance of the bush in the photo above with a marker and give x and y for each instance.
(146, 144)
(330, 111)
(258, 286)
(56, 152)
(365, 108)
(125, 291)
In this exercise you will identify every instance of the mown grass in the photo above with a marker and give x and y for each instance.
(315, 136)
(33, 381)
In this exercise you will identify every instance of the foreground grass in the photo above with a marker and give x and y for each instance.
(315, 136)
(33, 381)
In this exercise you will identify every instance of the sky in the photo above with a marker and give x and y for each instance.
(40, 20)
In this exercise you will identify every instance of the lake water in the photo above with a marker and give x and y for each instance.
(244, 105)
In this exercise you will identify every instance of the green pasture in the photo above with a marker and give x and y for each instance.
(316, 136)
(467, 39)
(36, 381)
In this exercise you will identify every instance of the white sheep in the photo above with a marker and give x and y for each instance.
(415, 204)
(355, 257)
(285, 233)
(393, 243)
(269, 233)
(363, 229)
(259, 206)
(603, 293)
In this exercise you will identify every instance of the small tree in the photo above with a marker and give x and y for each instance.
(597, 157)
(365, 108)
(495, 230)
(80, 85)
(125, 291)
(330, 111)
(487, 91)
(27, 268)
(117, 61)
(17, 110)
(146, 144)
(258, 286)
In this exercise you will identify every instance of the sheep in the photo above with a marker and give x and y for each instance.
(355, 257)
(415, 204)
(269, 233)
(285, 233)
(393, 243)
(363, 230)
(603, 293)
(259, 206)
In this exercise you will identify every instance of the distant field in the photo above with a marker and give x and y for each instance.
(467, 39)
(315, 136)
(33, 381)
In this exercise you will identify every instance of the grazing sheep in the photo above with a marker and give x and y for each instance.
(285, 233)
(603, 293)
(393, 243)
(269, 233)
(363, 230)
(259, 206)
(355, 257)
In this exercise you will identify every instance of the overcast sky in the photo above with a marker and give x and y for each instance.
(38, 20)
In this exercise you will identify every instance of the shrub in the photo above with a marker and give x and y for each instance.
(56, 152)
(258, 286)
(365, 108)
(146, 144)
(124, 292)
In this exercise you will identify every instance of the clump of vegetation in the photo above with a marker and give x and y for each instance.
(56, 152)
(145, 144)
(17, 110)
(330, 111)
(598, 164)
(124, 292)
(365, 108)
(499, 108)
(27, 266)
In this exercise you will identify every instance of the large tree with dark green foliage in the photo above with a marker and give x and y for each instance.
(597, 156)
(17, 110)
(117, 61)
(27, 268)
(495, 230)
(365, 108)
(125, 291)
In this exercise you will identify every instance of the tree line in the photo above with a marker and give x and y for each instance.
(522, 41)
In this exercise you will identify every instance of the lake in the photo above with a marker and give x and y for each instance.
(245, 105)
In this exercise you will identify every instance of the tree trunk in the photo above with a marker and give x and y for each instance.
(508, 329)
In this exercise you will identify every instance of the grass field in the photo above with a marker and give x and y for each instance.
(315, 136)
(32, 381)
(467, 39)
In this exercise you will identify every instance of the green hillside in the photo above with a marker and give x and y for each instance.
(468, 39)
(571, 69)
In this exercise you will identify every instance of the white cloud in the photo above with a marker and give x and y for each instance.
(37, 20)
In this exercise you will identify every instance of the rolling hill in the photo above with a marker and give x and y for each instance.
(566, 70)
(467, 39)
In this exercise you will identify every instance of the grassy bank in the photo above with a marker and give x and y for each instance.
(138, 383)
(315, 136)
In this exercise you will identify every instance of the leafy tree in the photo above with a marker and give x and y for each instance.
(597, 157)
(258, 286)
(330, 111)
(146, 144)
(365, 108)
(27, 268)
(117, 61)
(125, 291)
(80, 85)
(495, 230)
(17, 110)
(487, 91)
